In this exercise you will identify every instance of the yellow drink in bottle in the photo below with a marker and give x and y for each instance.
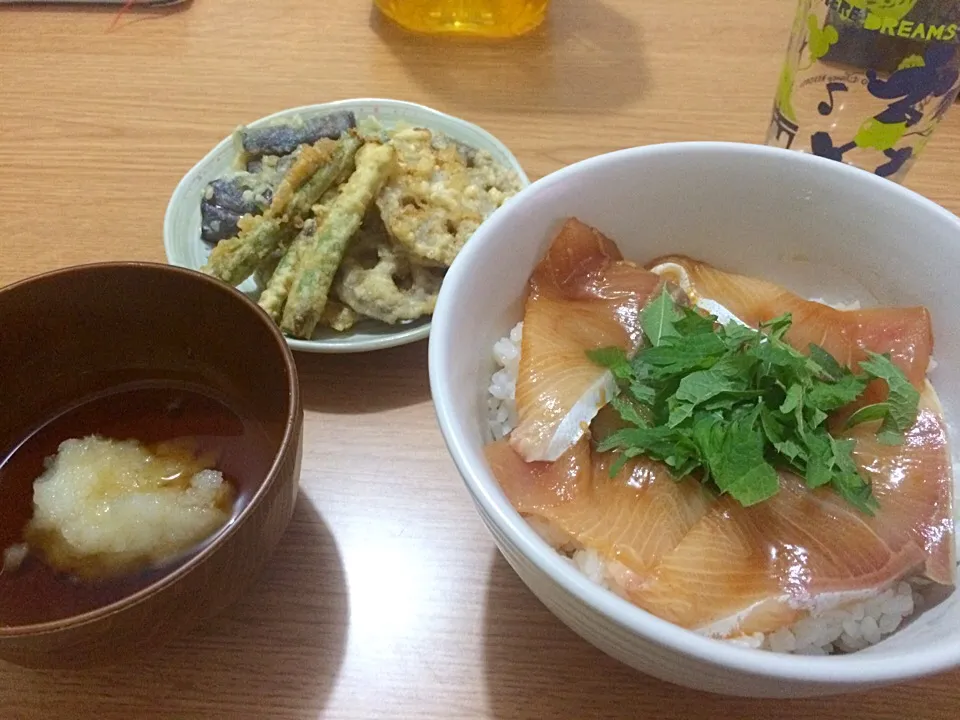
(487, 18)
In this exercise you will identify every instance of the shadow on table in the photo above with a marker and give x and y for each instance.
(364, 382)
(279, 647)
(586, 57)
(536, 668)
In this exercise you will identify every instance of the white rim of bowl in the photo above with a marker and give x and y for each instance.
(402, 336)
(837, 670)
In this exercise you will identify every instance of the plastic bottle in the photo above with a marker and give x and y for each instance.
(486, 18)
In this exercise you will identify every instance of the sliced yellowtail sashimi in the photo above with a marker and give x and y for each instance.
(533, 487)
(905, 333)
(913, 483)
(632, 519)
(582, 296)
(757, 569)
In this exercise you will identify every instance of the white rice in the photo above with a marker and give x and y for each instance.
(502, 404)
(851, 627)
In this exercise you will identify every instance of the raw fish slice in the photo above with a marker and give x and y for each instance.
(634, 518)
(582, 296)
(532, 487)
(905, 333)
(757, 569)
(913, 483)
(607, 422)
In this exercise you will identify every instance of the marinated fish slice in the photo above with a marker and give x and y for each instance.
(913, 483)
(905, 333)
(533, 487)
(582, 296)
(727, 570)
(280, 138)
(633, 519)
(746, 570)
(606, 422)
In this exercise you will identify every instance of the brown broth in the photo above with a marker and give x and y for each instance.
(150, 413)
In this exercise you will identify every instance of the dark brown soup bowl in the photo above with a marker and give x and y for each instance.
(71, 334)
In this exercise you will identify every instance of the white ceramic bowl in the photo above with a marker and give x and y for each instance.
(824, 228)
(181, 224)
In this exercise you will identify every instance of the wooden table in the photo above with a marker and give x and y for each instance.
(387, 597)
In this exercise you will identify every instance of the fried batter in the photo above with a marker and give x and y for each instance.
(277, 286)
(378, 280)
(325, 249)
(440, 194)
(268, 267)
(312, 159)
(234, 260)
(338, 316)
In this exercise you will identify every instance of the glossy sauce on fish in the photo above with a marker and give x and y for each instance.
(905, 333)
(582, 296)
(634, 518)
(677, 549)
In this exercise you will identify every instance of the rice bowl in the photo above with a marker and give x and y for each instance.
(834, 252)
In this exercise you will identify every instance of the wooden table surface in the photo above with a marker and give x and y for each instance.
(387, 598)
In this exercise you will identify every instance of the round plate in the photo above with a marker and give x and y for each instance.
(181, 224)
